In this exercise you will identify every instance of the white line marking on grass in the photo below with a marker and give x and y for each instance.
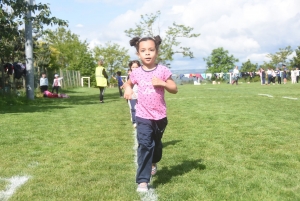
(14, 183)
(291, 98)
(150, 195)
(268, 95)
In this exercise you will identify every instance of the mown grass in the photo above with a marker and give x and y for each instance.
(223, 142)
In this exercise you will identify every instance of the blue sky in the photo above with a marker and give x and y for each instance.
(248, 29)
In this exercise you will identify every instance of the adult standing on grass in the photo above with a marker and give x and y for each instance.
(101, 79)
(293, 76)
(262, 76)
(133, 65)
(273, 76)
(278, 75)
(269, 73)
(297, 75)
(236, 74)
(151, 116)
(284, 75)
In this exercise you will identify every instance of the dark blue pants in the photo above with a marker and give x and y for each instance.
(120, 91)
(149, 134)
(263, 80)
(279, 80)
(132, 103)
(269, 78)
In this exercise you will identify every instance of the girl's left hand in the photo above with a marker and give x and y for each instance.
(157, 82)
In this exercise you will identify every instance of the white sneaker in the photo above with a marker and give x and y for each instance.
(154, 170)
(142, 188)
(134, 125)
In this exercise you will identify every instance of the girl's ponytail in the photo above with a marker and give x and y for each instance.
(157, 40)
(134, 41)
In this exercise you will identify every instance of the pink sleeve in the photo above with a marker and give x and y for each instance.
(132, 77)
(167, 73)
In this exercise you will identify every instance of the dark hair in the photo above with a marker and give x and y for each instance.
(119, 73)
(136, 41)
(134, 62)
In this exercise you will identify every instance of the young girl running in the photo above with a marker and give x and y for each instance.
(132, 102)
(152, 80)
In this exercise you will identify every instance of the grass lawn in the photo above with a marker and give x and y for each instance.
(222, 142)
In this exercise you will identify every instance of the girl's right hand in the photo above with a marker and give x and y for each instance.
(128, 93)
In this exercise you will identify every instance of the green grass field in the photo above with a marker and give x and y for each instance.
(222, 142)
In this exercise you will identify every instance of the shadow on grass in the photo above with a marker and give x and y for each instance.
(165, 174)
(170, 143)
(48, 104)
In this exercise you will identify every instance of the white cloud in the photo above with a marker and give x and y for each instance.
(248, 29)
(257, 58)
(79, 25)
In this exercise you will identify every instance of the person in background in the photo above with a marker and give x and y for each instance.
(263, 76)
(297, 75)
(269, 73)
(133, 65)
(120, 83)
(284, 74)
(56, 83)
(278, 75)
(43, 83)
(293, 76)
(236, 75)
(128, 72)
(101, 79)
(273, 76)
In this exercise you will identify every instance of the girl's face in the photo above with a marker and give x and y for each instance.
(134, 66)
(147, 53)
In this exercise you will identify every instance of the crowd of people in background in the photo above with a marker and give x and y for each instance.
(279, 75)
(56, 85)
(269, 76)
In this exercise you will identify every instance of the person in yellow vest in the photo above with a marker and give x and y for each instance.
(101, 79)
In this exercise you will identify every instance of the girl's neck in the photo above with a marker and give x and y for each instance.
(149, 67)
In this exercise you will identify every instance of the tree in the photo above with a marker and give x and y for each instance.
(170, 43)
(295, 61)
(249, 67)
(220, 61)
(68, 52)
(13, 13)
(115, 57)
(42, 55)
(266, 65)
(280, 57)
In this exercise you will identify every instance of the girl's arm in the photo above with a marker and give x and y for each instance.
(128, 89)
(169, 84)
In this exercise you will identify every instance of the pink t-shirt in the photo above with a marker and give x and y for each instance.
(151, 103)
